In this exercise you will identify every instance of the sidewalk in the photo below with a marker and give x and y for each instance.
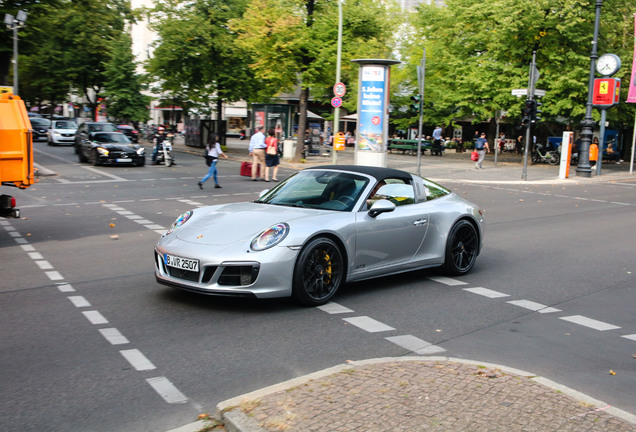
(422, 393)
(450, 168)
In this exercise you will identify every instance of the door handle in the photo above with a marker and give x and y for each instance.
(420, 222)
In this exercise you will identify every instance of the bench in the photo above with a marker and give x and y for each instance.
(405, 145)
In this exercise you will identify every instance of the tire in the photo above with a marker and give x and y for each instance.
(95, 158)
(554, 159)
(535, 157)
(81, 156)
(319, 272)
(462, 248)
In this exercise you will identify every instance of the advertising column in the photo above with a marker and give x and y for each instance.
(373, 112)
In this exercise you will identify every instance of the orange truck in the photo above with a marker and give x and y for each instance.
(16, 150)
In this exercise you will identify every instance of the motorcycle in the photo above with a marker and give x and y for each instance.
(164, 155)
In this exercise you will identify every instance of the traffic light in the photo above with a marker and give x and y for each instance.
(536, 112)
(527, 112)
(416, 102)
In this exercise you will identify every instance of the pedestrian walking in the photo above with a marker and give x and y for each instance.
(271, 155)
(257, 152)
(481, 147)
(213, 152)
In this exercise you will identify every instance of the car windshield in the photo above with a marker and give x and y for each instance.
(111, 138)
(37, 121)
(104, 127)
(329, 190)
(65, 124)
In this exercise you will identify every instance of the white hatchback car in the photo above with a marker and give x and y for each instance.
(61, 132)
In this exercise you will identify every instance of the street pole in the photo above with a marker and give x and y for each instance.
(336, 110)
(496, 142)
(531, 81)
(421, 73)
(601, 142)
(15, 58)
(584, 169)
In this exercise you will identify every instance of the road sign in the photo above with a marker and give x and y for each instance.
(339, 89)
(524, 92)
(336, 102)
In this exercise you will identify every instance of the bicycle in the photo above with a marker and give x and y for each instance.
(550, 156)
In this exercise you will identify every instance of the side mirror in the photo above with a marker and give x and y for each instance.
(263, 192)
(381, 206)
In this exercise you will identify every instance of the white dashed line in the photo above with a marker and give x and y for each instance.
(486, 292)
(415, 344)
(95, 317)
(137, 360)
(368, 324)
(334, 308)
(54, 275)
(113, 336)
(27, 248)
(447, 281)
(533, 306)
(167, 390)
(44, 265)
(631, 337)
(65, 288)
(588, 322)
(79, 301)
(35, 255)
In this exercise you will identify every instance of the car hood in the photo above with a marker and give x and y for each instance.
(238, 222)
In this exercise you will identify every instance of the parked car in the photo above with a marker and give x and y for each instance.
(34, 114)
(81, 136)
(131, 132)
(61, 132)
(40, 126)
(111, 148)
(317, 230)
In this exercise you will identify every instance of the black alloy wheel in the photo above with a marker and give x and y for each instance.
(319, 272)
(461, 248)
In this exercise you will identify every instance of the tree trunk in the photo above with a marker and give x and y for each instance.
(302, 124)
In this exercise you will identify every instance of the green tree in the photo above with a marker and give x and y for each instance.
(294, 45)
(477, 52)
(123, 86)
(196, 62)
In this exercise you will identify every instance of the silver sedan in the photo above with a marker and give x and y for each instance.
(320, 228)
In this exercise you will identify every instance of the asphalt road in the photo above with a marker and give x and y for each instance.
(90, 342)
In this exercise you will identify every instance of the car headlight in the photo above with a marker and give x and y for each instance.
(102, 151)
(180, 221)
(141, 151)
(270, 237)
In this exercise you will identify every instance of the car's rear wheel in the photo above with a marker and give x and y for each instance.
(462, 248)
(319, 272)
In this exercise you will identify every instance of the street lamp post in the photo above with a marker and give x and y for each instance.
(14, 23)
(584, 169)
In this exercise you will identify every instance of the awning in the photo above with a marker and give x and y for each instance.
(350, 117)
(313, 116)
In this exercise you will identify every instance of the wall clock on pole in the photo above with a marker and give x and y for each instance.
(608, 64)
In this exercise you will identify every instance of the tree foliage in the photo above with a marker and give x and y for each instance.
(477, 52)
(195, 61)
(123, 86)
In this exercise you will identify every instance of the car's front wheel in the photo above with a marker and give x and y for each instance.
(319, 272)
(95, 158)
(462, 248)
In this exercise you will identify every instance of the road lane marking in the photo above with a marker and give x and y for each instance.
(44, 265)
(368, 324)
(631, 337)
(79, 301)
(588, 322)
(35, 255)
(95, 317)
(27, 248)
(486, 292)
(415, 344)
(533, 306)
(54, 275)
(137, 359)
(64, 287)
(334, 308)
(113, 336)
(447, 281)
(167, 390)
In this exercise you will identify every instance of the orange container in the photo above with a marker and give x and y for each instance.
(16, 143)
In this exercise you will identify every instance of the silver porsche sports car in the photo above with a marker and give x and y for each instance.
(318, 229)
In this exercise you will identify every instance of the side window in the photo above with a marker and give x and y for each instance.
(433, 190)
(395, 190)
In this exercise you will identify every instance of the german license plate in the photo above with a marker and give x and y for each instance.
(181, 263)
(123, 160)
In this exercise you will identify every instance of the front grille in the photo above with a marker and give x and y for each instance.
(239, 275)
(183, 274)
